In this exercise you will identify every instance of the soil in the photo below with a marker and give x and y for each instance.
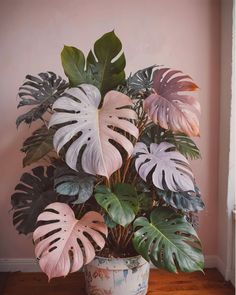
(117, 253)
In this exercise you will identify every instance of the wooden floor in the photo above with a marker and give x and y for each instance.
(160, 283)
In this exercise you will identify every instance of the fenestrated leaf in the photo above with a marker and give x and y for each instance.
(63, 244)
(94, 128)
(184, 144)
(70, 182)
(170, 106)
(40, 92)
(168, 241)
(185, 201)
(73, 62)
(169, 168)
(33, 194)
(39, 144)
(121, 203)
(141, 82)
(105, 64)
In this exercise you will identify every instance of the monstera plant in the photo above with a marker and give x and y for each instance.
(114, 178)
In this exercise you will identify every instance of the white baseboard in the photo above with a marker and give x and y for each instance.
(31, 265)
(19, 264)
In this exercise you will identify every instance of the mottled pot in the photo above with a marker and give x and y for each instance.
(117, 276)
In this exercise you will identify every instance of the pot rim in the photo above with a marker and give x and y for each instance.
(117, 263)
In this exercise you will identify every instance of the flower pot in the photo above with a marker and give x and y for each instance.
(117, 276)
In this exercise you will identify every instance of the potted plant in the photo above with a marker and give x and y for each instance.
(115, 190)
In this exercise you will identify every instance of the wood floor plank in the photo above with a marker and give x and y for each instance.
(160, 283)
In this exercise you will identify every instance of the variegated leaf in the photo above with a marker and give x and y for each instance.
(171, 105)
(169, 168)
(57, 238)
(79, 110)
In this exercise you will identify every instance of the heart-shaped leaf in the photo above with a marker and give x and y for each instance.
(95, 128)
(169, 168)
(105, 63)
(70, 182)
(40, 92)
(63, 243)
(32, 195)
(169, 106)
(168, 241)
(121, 203)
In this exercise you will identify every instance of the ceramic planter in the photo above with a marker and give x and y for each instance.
(117, 276)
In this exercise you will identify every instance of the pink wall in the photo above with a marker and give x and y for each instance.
(183, 34)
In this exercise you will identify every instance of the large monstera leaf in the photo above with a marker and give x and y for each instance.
(170, 106)
(95, 128)
(121, 203)
(63, 243)
(39, 92)
(168, 241)
(106, 64)
(33, 194)
(169, 168)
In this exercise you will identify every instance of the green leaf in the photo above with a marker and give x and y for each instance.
(144, 196)
(184, 144)
(105, 64)
(109, 222)
(121, 203)
(185, 201)
(40, 92)
(38, 145)
(168, 241)
(73, 62)
(73, 183)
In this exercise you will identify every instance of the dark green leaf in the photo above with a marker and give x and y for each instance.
(32, 195)
(141, 82)
(105, 65)
(73, 62)
(168, 241)
(121, 203)
(38, 145)
(144, 195)
(185, 201)
(70, 182)
(40, 92)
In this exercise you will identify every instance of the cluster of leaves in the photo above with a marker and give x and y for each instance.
(124, 155)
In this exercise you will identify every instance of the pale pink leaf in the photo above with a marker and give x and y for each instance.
(57, 246)
(95, 127)
(168, 167)
(171, 105)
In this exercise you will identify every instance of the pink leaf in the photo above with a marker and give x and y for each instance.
(95, 127)
(57, 244)
(165, 165)
(170, 106)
